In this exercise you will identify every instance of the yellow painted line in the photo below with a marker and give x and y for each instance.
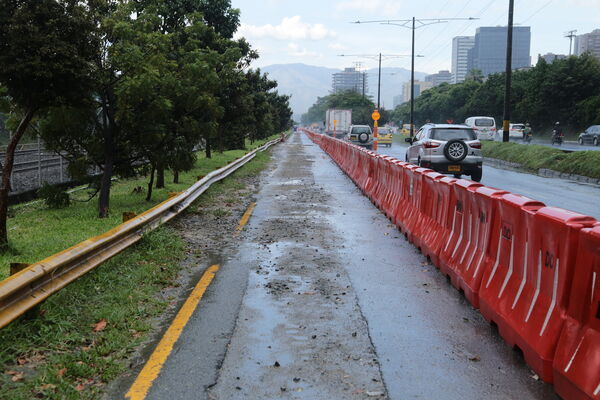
(245, 218)
(143, 382)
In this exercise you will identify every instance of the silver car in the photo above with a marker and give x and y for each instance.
(448, 149)
(361, 135)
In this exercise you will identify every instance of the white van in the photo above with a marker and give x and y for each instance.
(484, 127)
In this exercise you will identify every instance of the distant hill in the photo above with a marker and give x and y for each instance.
(307, 82)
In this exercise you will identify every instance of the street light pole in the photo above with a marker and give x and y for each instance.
(509, 40)
(404, 23)
(412, 82)
(379, 83)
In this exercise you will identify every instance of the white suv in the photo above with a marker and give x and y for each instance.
(448, 149)
(361, 135)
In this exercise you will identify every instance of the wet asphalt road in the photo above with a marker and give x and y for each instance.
(575, 196)
(324, 299)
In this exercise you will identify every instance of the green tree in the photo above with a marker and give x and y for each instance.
(46, 48)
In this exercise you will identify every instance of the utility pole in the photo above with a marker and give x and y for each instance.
(507, 88)
(412, 83)
(571, 35)
(413, 24)
(379, 83)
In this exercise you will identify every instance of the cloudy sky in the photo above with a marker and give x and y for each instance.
(315, 31)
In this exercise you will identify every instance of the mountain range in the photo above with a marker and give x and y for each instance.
(305, 83)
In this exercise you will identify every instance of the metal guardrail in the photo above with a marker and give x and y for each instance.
(29, 287)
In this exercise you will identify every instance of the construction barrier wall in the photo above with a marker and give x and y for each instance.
(532, 270)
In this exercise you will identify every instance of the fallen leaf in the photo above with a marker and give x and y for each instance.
(80, 387)
(100, 325)
(22, 361)
(475, 358)
(61, 372)
(11, 372)
(47, 386)
(17, 377)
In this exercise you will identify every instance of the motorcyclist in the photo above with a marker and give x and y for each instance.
(527, 132)
(557, 133)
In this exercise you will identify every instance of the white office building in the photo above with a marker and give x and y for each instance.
(460, 57)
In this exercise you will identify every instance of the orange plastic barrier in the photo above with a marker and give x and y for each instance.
(525, 291)
(432, 242)
(577, 358)
(454, 252)
(483, 212)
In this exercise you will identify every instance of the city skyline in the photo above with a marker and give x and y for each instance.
(314, 33)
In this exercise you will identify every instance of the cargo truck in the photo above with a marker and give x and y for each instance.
(337, 122)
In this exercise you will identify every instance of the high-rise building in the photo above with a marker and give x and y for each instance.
(420, 87)
(439, 78)
(551, 57)
(489, 51)
(460, 57)
(350, 79)
(589, 42)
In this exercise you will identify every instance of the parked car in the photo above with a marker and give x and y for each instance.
(384, 137)
(448, 149)
(590, 135)
(361, 135)
(515, 131)
(484, 127)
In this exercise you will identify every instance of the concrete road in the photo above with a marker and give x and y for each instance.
(324, 299)
(575, 196)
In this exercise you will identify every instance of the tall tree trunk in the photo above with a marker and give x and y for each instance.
(150, 184)
(105, 183)
(175, 176)
(109, 160)
(7, 171)
(208, 149)
(160, 177)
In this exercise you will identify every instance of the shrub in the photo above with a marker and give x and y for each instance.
(54, 196)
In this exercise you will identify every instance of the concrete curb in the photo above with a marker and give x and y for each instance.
(546, 173)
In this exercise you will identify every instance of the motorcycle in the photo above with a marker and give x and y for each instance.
(557, 137)
(527, 137)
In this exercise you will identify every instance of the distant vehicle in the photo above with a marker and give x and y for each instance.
(406, 129)
(385, 136)
(590, 135)
(484, 127)
(448, 149)
(361, 135)
(516, 131)
(338, 122)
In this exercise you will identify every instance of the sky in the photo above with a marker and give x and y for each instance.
(316, 32)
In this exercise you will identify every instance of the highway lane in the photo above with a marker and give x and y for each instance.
(571, 195)
(325, 299)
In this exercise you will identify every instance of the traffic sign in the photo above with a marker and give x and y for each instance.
(375, 115)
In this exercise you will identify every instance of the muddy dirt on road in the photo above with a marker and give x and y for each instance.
(322, 298)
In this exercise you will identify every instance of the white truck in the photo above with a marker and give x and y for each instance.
(337, 122)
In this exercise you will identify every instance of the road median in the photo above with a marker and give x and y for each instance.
(546, 161)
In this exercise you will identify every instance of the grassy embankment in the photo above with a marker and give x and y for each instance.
(533, 157)
(64, 351)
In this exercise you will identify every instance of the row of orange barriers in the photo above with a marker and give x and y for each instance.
(532, 270)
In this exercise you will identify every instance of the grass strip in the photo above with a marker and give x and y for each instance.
(80, 339)
(36, 232)
(533, 157)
